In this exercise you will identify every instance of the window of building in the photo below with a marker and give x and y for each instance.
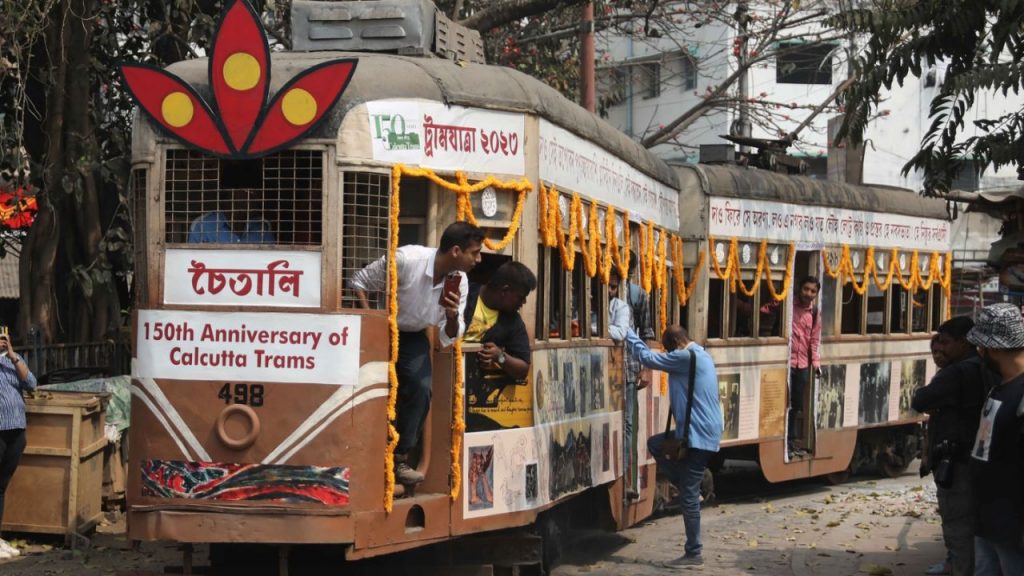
(686, 67)
(798, 63)
(612, 83)
(650, 79)
(968, 178)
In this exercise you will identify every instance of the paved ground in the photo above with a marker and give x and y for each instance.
(868, 526)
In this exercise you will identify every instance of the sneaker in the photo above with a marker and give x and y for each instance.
(406, 475)
(696, 561)
(939, 569)
(10, 550)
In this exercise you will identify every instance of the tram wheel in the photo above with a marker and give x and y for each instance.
(837, 478)
(892, 470)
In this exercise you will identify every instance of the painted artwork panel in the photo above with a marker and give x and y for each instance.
(616, 378)
(912, 378)
(480, 488)
(245, 482)
(729, 402)
(583, 382)
(831, 397)
(749, 407)
(874, 392)
(851, 399)
(598, 381)
(773, 402)
(495, 403)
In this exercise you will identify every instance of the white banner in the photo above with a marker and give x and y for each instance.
(777, 221)
(432, 135)
(575, 165)
(242, 277)
(250, 346)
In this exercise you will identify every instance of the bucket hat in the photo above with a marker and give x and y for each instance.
(998, 326)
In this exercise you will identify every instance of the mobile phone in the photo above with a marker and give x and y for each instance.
(452, 285)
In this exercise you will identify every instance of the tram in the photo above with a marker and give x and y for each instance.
(262, 393)
(882, 256)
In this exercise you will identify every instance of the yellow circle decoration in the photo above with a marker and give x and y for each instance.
(298, 107)
(177, 109)
(241, 71)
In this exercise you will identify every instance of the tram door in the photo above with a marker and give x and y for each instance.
(807, 263)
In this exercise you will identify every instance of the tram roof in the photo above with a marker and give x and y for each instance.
(755, 184)
(381, 76)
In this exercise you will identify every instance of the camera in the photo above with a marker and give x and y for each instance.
(943, 468)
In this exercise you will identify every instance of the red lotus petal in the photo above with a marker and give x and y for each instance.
(187, 117)
(239, 70)
(300, 105)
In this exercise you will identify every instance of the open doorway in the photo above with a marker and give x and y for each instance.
(804, 339)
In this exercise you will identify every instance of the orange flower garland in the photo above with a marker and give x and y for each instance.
(389, 451)
(733, 274)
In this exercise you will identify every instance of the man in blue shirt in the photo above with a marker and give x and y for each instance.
(15, 378)
(237, 222)
(705, 425)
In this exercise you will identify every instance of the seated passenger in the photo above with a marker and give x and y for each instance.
(492, 317)
(238, 221)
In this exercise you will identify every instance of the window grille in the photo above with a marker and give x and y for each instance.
(277, 199)
(365, 230)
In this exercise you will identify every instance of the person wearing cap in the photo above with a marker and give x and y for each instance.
(997, 458)
(953, 402)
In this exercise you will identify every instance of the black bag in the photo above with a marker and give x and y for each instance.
(673, 448)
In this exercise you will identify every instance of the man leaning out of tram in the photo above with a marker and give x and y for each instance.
(492, 318)
(422, 272)
(705, 430)
(953, 402)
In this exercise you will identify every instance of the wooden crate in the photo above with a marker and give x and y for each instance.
(58, 486)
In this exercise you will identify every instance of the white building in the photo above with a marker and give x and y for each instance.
(648, 82)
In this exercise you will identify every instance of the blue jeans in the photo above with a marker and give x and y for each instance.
(997, 559)
(686, 475)
(414, 388)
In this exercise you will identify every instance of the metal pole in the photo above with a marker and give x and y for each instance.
(587, 57)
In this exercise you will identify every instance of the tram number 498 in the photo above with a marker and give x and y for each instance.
(251, 394)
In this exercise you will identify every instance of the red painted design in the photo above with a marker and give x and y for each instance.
(240, 32)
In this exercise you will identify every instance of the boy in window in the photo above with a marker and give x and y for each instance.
(239, 220)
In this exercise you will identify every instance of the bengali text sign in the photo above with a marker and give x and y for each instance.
(242, 277)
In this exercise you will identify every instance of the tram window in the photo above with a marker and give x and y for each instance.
(540, 330)
(851, 305)
(277, 199)
(898, 309)
(598, 308)
(365, 226)
(139, 224)
(412, 218)
(829, 289)
(716, 307)
(578, 293)
(938, 309)
(684, 311)
(556, 294)
(741, 314)
(919, 311)
(770, 312)
(876, 310)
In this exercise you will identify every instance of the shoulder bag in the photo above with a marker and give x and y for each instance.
(676, 448)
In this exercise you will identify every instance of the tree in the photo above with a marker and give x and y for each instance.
(981, 42)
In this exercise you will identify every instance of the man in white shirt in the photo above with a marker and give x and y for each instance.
(421, 279)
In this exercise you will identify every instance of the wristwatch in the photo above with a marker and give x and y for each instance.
(501, 359)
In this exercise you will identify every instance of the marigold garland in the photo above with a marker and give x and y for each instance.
(734, 275)
(464, 207)
(389, 451)
(845, 271)
(458, 423)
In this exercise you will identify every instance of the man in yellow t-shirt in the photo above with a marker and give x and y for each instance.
(492, 318)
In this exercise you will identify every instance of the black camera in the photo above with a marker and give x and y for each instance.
(943, 468)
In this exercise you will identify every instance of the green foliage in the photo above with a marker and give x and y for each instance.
(981, 43)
